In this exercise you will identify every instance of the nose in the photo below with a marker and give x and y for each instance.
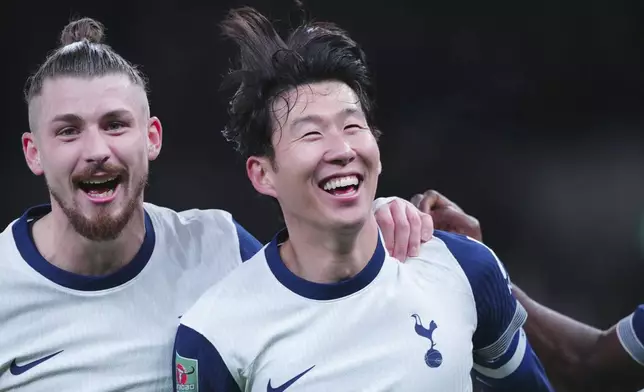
(96, 148)
(340, 151)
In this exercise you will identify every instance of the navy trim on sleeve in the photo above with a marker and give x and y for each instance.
(516, 344)
(197, 365)
(529, 376)
(630, 331)
(503, 343)
(248, 245)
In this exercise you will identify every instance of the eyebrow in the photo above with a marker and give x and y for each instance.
(116, 114)
(68, 117)
(74, 118)
(314, 118)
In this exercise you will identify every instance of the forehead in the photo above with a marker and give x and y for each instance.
(88, 97)
(324, 99)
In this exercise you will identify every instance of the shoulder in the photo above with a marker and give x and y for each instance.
(234, 321)
(479, 263)
(8, 246)
(198, 233)
(210, 228)
(193, 218)
(222, 326)
(16, 244)
(218, 334)
(498, 313)
(6, 236)
(234, 297)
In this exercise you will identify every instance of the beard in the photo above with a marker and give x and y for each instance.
(102, 227)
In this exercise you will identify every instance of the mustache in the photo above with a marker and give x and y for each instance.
(106, 169)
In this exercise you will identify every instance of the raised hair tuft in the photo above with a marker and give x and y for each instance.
(267, 66)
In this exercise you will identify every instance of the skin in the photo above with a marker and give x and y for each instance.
(88, 129)
(325, 134)
(577, 357)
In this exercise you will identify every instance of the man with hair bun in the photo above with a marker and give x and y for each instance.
(93, 284)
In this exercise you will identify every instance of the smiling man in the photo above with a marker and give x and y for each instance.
(329, 309)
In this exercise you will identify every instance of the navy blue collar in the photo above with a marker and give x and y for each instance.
(321, 291)
(29, 252)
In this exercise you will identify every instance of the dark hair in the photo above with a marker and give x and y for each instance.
(82, 53)
(269, 66)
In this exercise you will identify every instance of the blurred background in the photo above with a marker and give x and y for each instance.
(527, 114)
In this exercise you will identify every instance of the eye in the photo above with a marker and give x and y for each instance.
(353, 127)
(115, 126)
(67, 131)
(311, 134)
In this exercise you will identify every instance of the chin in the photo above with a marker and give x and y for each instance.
(348, 223)
(112, 210)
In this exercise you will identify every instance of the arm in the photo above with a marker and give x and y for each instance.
(503, 357)
(583, 358)
(197, 365)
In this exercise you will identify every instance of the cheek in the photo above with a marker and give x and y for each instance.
(59, 162)
(372, 147)
(301, 159)
(132, 153)
(367, 147)
(295, 168)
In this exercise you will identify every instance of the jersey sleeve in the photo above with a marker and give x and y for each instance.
(630, 331)
(503, 358)
(198, 366)
(248, 245)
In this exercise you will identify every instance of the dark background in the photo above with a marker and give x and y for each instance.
(527, 113)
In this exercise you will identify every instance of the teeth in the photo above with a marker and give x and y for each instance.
(341, 182)
(99, 180)
(102, 194)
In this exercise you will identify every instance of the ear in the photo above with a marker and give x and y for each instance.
(32, 155)
(155, 138)
(379, 166)
(260, 172)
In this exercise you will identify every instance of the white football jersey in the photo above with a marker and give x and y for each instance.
(61, 331)
(423, 325)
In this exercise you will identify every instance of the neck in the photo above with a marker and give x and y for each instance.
(61, 245)
(327, 256)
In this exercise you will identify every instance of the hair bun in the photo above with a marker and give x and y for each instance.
(83, 29)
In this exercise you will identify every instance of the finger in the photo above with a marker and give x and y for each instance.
(401, 230)
(427, 223)
(433, 200)
(428, 201)
(415, 225)
(416, 199)
(386, 224)
(426, 227)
